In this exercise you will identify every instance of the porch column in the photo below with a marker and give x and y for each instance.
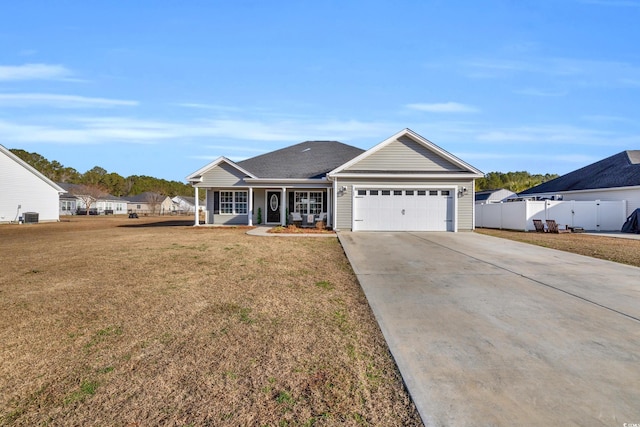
(283, 207)
(250, 201)
(335, 205)
(197, 208)
(329, 207)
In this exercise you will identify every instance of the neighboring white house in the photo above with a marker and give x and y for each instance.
(184, 204)
(71, 203)
(614, 178)
(25, 190)
(494, 196)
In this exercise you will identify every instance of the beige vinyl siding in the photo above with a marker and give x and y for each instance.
(404, 155)
(466, 206)
(465, 203)
(222, 175)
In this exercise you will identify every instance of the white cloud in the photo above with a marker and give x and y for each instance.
(213, 107)
(445, 107)
(542, 93)
(573, 71)
(549, 135)
(33, 72)
(607, 119)
(570, 158)
(228, 148)
(614, 3)
(93, 130)
(59, 101)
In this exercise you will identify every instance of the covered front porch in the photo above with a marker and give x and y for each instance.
(265, 204)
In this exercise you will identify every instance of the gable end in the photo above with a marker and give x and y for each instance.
(404, 155)
(222, 175)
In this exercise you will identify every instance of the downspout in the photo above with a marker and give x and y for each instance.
(250, 210)
(473, 205)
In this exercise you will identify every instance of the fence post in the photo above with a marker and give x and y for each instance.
(546, 215)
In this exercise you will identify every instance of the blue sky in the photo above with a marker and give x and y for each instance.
(161, 88)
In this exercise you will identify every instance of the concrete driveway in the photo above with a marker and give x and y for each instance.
(487, 331)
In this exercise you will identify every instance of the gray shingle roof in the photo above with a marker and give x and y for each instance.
(145, 197)
(309, 159)
(619, 170)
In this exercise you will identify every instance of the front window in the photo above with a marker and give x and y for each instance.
(308, 202)
(68, 205)
(234, 202)
(240, 202)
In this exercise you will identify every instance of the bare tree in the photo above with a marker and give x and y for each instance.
(154, 200)
(88, 194)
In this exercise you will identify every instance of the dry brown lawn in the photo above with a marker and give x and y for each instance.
(112, 321)
(625, 251)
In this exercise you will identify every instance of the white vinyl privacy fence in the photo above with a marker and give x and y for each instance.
(590, 215)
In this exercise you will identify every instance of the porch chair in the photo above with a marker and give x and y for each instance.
(308, 220)
(539, 226)
(321, 217)
(553, 227)
(295, 218)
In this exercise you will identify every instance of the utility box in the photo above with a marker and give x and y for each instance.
(30, 217)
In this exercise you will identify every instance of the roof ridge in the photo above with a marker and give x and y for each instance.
(618, 170)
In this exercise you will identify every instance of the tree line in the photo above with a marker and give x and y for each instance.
(120, 186)
(109, 182)
(514, 181)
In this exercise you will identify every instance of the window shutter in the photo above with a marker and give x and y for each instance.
(324, 201)
(216, 202)
(291, 202)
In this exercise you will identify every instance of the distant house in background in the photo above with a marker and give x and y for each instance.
(71, 203)
(150, 203)
(68, 204)
(184, 204)
(494, 196)
(614, 178)
(25, 190)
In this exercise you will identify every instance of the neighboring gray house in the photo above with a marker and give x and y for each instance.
(23, 189)
(150, 203)
(494, 196)
(614, 178)
(405, 183)
(72, 204)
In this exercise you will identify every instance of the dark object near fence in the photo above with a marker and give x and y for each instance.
(133, 215)
(632, 225)
(92, 211)
(31, 217)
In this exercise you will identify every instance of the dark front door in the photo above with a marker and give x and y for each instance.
(273, 206)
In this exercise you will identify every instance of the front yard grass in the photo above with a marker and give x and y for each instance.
(112, 321)
(625, 251)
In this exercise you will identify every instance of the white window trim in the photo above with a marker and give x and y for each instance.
(306, 200)
(233, 202)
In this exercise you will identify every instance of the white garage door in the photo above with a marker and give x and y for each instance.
(403, 210)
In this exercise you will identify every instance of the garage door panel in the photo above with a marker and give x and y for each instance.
(403, 210)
